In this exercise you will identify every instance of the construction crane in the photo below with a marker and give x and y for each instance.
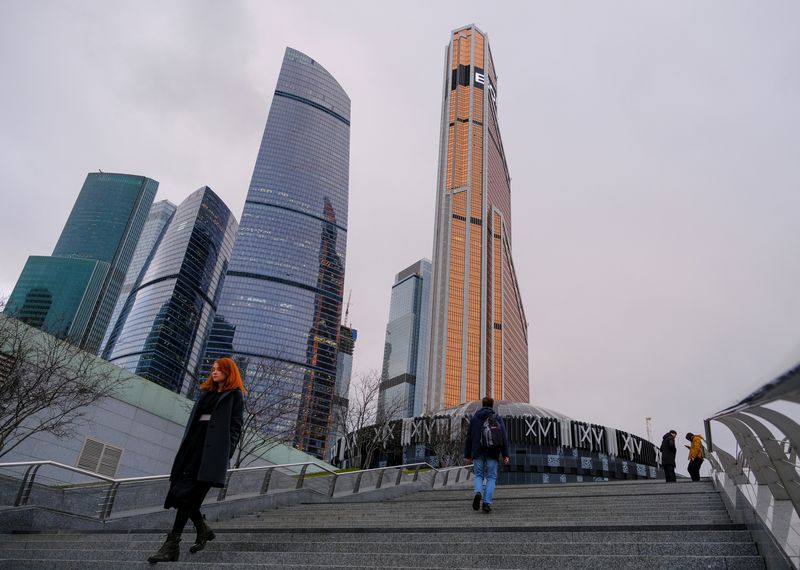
(347, 310)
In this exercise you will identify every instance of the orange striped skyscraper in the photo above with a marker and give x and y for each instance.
(479, 335)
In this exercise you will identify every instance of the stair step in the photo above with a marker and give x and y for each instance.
(64, 549)
(394, 535)
(400, 559)
(614, 526)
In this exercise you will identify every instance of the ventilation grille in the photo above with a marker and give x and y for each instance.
(99, 457)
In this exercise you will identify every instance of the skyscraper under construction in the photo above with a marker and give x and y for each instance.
(479, 336)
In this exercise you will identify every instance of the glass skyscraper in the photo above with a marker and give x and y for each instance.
(154, 228)
(282, 299)
(344, 373)
(405, 358)
(73, 292)
(479, 335)
(164, 324)
(58, 294)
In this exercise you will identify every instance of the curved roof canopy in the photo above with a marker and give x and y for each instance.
(504, 408)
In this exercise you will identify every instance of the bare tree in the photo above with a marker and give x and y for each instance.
(370, 427)
(270, 409)
(447, 439)
(46, 384)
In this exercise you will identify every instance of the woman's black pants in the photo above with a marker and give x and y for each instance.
(669, 473)
(184, 515)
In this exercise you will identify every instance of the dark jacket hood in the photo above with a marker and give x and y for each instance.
(484, 413)
(667, 435)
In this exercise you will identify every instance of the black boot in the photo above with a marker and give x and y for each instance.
(204, 534)
(169, 551)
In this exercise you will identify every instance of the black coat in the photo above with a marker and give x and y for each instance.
(222, 435)
(472, 445)
(668, 450)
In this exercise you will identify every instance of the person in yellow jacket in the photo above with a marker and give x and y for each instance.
(695, 455)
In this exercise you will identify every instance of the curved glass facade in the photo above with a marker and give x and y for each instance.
(104, 226)
(165, 322)
(58, 294)
(154, 228)
(282, 300)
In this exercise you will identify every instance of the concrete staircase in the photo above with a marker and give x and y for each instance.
(637, 524)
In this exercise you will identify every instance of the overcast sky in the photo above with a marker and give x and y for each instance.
(653, 149)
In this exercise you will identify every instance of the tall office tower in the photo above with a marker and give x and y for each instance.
(282, 300)
(479, 337)
(405, 357)
(73, 292)
(162, 330)
(344, 372)
(154, 228)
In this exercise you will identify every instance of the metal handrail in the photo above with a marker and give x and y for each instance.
(769, 458)
(107, 504)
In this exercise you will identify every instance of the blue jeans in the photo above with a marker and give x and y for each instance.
(485, 470)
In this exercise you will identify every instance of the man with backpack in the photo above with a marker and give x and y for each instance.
(486, 441)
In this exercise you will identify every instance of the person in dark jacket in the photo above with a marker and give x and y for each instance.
(209, 441)
(484, 459)
(668, 455)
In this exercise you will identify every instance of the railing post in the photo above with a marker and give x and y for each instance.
(433, 479)
(333, 484)
(399, 476)
(709, 441)
(27, 484)
(224, 491)
(357, 486)
(446, 477)
(301, 477)
(108, 503)
(416, 473)
(458, 475)
(265, 482)
(380, 479)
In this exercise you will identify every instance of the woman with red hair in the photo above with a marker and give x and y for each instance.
(202, 459)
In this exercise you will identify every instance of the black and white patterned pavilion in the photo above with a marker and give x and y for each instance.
(545, 446)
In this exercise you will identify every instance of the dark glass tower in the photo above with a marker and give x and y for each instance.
(99, 237)
(154, 228)
(282, 299)
(163, 327)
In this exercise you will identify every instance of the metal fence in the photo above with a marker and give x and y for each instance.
(255, 481)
